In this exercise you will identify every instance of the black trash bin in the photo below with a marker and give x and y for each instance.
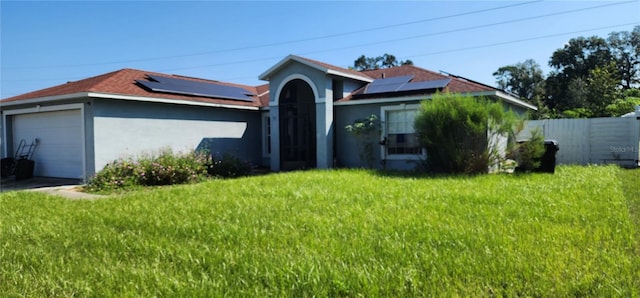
(6, 166)
(24, 168)
(548, 159)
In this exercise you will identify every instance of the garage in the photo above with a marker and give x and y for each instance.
(60, 137)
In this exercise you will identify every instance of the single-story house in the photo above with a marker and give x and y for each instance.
(296, 121)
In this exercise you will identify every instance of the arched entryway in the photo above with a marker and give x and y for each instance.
(297, 110)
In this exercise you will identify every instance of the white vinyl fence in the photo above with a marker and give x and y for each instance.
(591, 141)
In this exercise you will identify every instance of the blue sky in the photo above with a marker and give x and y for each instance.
(47, 43)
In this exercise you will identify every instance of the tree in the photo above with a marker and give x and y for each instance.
(571, 63)
(630, 99)
(602, 86)
(590, 97)
(384, 61)
(525, 79)
(625, 49)
(587, 79)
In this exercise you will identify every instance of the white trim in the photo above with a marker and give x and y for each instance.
(124, 97)
(267, 74)
(276, 100)
(383, 149)
(381, 100)
(509, 98)
(500, 94)
(44, 99)
(170, 101)
(348, 75)
(39, 109)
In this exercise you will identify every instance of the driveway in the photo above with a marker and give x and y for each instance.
(54, 186)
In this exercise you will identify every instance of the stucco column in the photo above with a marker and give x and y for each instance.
(324, 133)
(275, 137)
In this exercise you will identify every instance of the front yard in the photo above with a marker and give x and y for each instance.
(333, 233)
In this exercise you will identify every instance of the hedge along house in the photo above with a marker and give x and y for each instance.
(296, 121)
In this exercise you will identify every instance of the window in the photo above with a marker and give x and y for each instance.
(266, 135)
(401, 139)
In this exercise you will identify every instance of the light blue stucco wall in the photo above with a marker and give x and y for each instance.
(128, 128)
(347, 146)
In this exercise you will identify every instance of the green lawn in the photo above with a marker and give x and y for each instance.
(333, 233)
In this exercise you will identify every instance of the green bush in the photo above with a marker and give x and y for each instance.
(228, 166)
(118, 174)
(528, 154)
(163, 168)
(456, 131)
(168, 168)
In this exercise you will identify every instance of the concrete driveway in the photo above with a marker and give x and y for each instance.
(55, 186)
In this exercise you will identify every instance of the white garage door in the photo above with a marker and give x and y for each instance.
(59, 134)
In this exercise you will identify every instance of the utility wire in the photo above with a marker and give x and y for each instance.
(414, 37)
(520, 40)
(404, 38)
(425, 54)
(291, 41)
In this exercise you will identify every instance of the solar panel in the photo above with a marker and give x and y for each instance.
(387, 85)
(424, 85)
(195, 88)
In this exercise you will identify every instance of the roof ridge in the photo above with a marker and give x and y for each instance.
(324, 64)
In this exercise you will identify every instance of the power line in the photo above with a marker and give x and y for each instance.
(411, 37)
(290, 41)
(405, 38)
(521, 40)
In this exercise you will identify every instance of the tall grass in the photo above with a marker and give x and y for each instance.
(330, 233)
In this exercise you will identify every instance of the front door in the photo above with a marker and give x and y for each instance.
(297, 126)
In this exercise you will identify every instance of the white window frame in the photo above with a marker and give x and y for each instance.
(266, 134)
(383, 117)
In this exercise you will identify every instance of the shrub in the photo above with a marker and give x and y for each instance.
(528, 153)
(168, 168)
(459, 132)
(163, 168)
(228, 166)
(118, 174)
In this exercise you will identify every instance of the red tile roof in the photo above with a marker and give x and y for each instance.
(123, 82)
(457, 84)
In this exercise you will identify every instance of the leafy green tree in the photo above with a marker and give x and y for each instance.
(525, 79)
(630, 99)
(384, 61)
(625, 48)
(587, 78)
(574, 62)
(589, 97)
(602, 86)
